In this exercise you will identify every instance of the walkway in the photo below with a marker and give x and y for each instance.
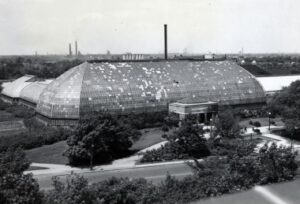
(131, 162)
(124, 163)
(279, 140)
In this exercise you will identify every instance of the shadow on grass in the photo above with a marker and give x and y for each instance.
(87, 163)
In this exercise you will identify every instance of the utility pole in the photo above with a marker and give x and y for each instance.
(269, 114)
(211, 124)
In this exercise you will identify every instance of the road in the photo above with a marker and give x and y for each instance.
(154, 173)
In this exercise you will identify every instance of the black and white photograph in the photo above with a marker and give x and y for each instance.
(149, 101)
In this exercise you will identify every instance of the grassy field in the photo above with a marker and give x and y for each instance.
(150, 136)
(53, 153)
(48, 154)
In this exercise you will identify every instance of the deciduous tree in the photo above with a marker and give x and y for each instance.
(15, 187)
(101, 137)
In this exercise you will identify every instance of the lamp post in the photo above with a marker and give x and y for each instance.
(269, 114)
(211, 123)
(92, 154)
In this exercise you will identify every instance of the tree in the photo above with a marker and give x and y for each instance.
(227, 124)
(172, 120)
(126, 191)
(75, 191)
(287, 105)
(276, 164)
(15, 187)
(114, 190)
(101, 138)
(187, 142)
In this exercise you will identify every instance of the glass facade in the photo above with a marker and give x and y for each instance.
(32, 92)
(146, 86)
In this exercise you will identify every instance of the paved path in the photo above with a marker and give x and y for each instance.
(124, 163)
(279, 140)
(130, 162)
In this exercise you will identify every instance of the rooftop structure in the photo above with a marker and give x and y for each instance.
(146, 86)
(206, 110)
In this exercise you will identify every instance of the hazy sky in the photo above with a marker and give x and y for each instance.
(196, 26)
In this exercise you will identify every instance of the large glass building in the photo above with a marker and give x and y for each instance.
(145, 86)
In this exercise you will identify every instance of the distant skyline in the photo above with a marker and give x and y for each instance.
(195, 26)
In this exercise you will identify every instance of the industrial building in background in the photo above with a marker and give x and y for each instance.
(70, 49)
(76, 49)
(166, 40)
(76, 53)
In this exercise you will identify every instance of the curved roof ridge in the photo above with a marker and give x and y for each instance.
(14, 89)
(66, 89)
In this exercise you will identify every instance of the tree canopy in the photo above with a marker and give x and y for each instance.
(227, 124)
(100, 136)
(286, 104)
(187, 142)
(16, 187)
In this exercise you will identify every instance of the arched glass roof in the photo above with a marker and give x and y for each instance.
(13, 89)
(32, 92)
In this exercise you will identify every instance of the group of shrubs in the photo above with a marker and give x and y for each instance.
(240, 170)
(16, 187)
(186, 142)
(36, 134)
(255, 123)
(189, 142)
(144, 120)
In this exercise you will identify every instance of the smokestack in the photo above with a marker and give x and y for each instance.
(70, 49)
(166, 41)
(76, 51)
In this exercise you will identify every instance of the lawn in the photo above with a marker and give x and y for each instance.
(53, 153)
(48, 154)
(263, 122)
(150, 136)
